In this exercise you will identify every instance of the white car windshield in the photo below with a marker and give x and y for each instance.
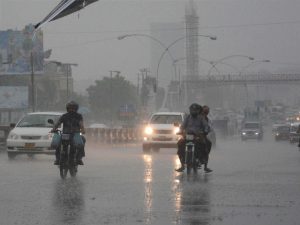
(166, 119)
(251, 125)
(37, 120)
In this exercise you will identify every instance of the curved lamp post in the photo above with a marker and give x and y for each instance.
(214, 63)
(149, 36)
(173, 43)
(246, 67)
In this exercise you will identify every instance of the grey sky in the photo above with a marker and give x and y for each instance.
(264, 29)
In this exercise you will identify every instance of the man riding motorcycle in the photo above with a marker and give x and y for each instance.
(194, 124)
(72, 123)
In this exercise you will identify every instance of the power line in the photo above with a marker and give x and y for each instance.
(179, 28)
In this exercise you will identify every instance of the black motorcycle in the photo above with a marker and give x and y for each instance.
(68, 154)
(191, 161)
(192, 155)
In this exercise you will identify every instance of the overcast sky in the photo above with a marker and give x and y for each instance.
(264, 29)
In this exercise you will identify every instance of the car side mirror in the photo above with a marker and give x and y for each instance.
(51, 121)
(12, 125)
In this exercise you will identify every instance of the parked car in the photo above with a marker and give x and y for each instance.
(161, 130)
(31, 135)
(252, 130)
(282, 132)
(294, 136)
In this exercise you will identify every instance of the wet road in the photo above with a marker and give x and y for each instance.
(252, 183)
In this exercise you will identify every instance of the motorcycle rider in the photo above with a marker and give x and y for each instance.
(208, 143)
(72, 123)
(192, 124)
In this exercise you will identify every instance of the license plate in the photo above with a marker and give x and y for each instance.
(65, 137)
(189, 137)
(29, 145)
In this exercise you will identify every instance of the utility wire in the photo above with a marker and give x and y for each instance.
(180, 28)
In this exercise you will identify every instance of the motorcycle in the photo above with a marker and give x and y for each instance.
(68, 154)
(192, 160)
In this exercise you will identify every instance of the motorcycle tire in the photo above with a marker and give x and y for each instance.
(73, 170)
(63, 171)
(63, 165)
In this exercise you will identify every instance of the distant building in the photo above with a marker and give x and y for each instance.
(52, 81)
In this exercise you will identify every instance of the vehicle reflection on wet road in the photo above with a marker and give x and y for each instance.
(253, 182)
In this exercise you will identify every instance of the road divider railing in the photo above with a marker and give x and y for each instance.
(117, 135)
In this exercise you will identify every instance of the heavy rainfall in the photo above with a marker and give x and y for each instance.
(149, 112)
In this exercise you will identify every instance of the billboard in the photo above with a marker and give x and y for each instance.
(14, 97)
(16, 48)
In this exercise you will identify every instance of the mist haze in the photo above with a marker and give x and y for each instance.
(261, 29)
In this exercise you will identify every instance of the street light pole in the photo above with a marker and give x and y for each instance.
(173, 43)
(111, 95)
(246, 67)
(167, 49)
(32, 84)
(68, 73)
(214, 63)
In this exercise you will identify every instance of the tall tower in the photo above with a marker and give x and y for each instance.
(192, 26)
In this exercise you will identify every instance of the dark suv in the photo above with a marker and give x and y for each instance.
(252, 130)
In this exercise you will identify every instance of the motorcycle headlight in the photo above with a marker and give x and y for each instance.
(148, 130)
(13, 136)
(176, 130)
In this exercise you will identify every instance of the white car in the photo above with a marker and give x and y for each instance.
(31, 135)
(161, 130)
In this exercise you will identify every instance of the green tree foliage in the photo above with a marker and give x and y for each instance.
(109, 94)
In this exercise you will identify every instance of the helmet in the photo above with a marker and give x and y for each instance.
(72, 106)
(195, 109)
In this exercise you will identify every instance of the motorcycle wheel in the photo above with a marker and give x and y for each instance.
(63, 171)
(63, 165)
(73, 170)
(195, 166)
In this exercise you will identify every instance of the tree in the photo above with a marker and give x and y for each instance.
(109, 94)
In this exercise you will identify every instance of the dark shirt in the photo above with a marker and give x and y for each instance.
(71, 122)
(197, 125)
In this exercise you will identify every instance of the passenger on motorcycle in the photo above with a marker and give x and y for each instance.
(208, 143)
(194, 124)
(72, 123)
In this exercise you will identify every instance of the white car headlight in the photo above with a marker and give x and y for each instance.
(256, 133)
(148, 130)
(13, 136)
(176, 130)
(244, 133)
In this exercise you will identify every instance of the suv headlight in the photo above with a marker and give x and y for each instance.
(13, 136)
(148, 130)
